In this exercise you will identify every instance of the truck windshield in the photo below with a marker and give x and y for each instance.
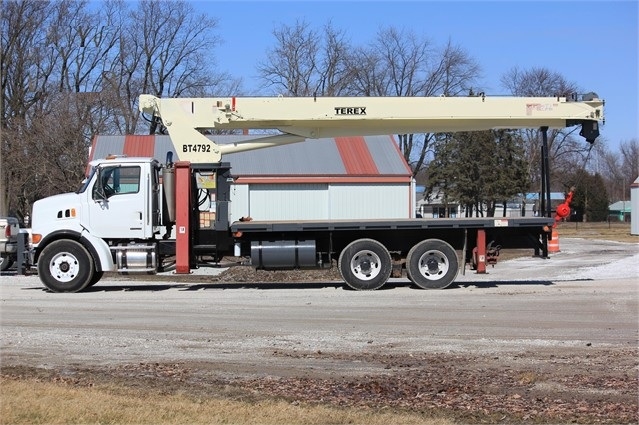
(85, 182)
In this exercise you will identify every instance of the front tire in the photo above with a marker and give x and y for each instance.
(365, 265)
(432, 264)
(65, 266)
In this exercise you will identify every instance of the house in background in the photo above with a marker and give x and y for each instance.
(434, 206)
(620, 211)
(322, 179)
(528, 205)
(520, 206)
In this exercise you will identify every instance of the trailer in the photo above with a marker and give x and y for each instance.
(123, 217)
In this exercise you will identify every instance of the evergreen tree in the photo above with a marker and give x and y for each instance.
(479, 170)
(474, 162)
(590, 201)
(441, 175)
(508, 176)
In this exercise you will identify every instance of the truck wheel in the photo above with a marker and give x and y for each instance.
(365, 265)
(65, 266)
(432, 264)
(5, 261)
(97, 275)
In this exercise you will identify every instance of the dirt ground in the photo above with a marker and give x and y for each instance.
(546, 386)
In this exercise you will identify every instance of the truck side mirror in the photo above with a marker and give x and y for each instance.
(98, 193)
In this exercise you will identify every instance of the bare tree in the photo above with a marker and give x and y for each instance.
(537, 81)
(70, 71)
(399, 63)
(393, 64)
(404, 58)
(630, 152)
(608, 164)
(454, 74)
(369, 75)
(54, 156)
(618, 168)
(306, 62)
(166, 52)
(51, 56)
(25, 62)
(69, 47)
(566, 149)
(292, 65)
(25, 68)
(335, 75)
(629, 164)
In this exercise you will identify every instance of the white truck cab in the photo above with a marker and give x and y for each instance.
(115, 209)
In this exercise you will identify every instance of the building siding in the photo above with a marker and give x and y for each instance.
(288, 201)
(239, 202)
(363, 201)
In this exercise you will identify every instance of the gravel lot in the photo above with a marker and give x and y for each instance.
(516, 340)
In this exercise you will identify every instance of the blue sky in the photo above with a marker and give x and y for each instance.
(593, 43)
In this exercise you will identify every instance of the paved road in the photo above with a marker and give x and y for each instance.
(587, 295)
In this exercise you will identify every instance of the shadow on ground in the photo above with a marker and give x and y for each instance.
(155, 287)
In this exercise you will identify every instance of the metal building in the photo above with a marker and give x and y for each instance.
(340, 178)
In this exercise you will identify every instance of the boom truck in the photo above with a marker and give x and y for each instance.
(123, 216)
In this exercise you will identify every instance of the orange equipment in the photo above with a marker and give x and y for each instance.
(563, 210)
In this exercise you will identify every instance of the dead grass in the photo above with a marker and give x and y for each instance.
(528, 377)
(31, 401)
(613, 231)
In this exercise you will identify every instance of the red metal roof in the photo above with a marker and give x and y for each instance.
(355, 155)
(139, 145)
(369, 159)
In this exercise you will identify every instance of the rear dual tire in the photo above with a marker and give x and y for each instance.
(365, 265)
(432, 264)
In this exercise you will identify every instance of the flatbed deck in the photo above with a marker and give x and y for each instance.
(390, 224)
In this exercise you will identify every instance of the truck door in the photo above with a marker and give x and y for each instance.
(120, 203)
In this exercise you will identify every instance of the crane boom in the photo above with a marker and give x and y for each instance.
(300, 118)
